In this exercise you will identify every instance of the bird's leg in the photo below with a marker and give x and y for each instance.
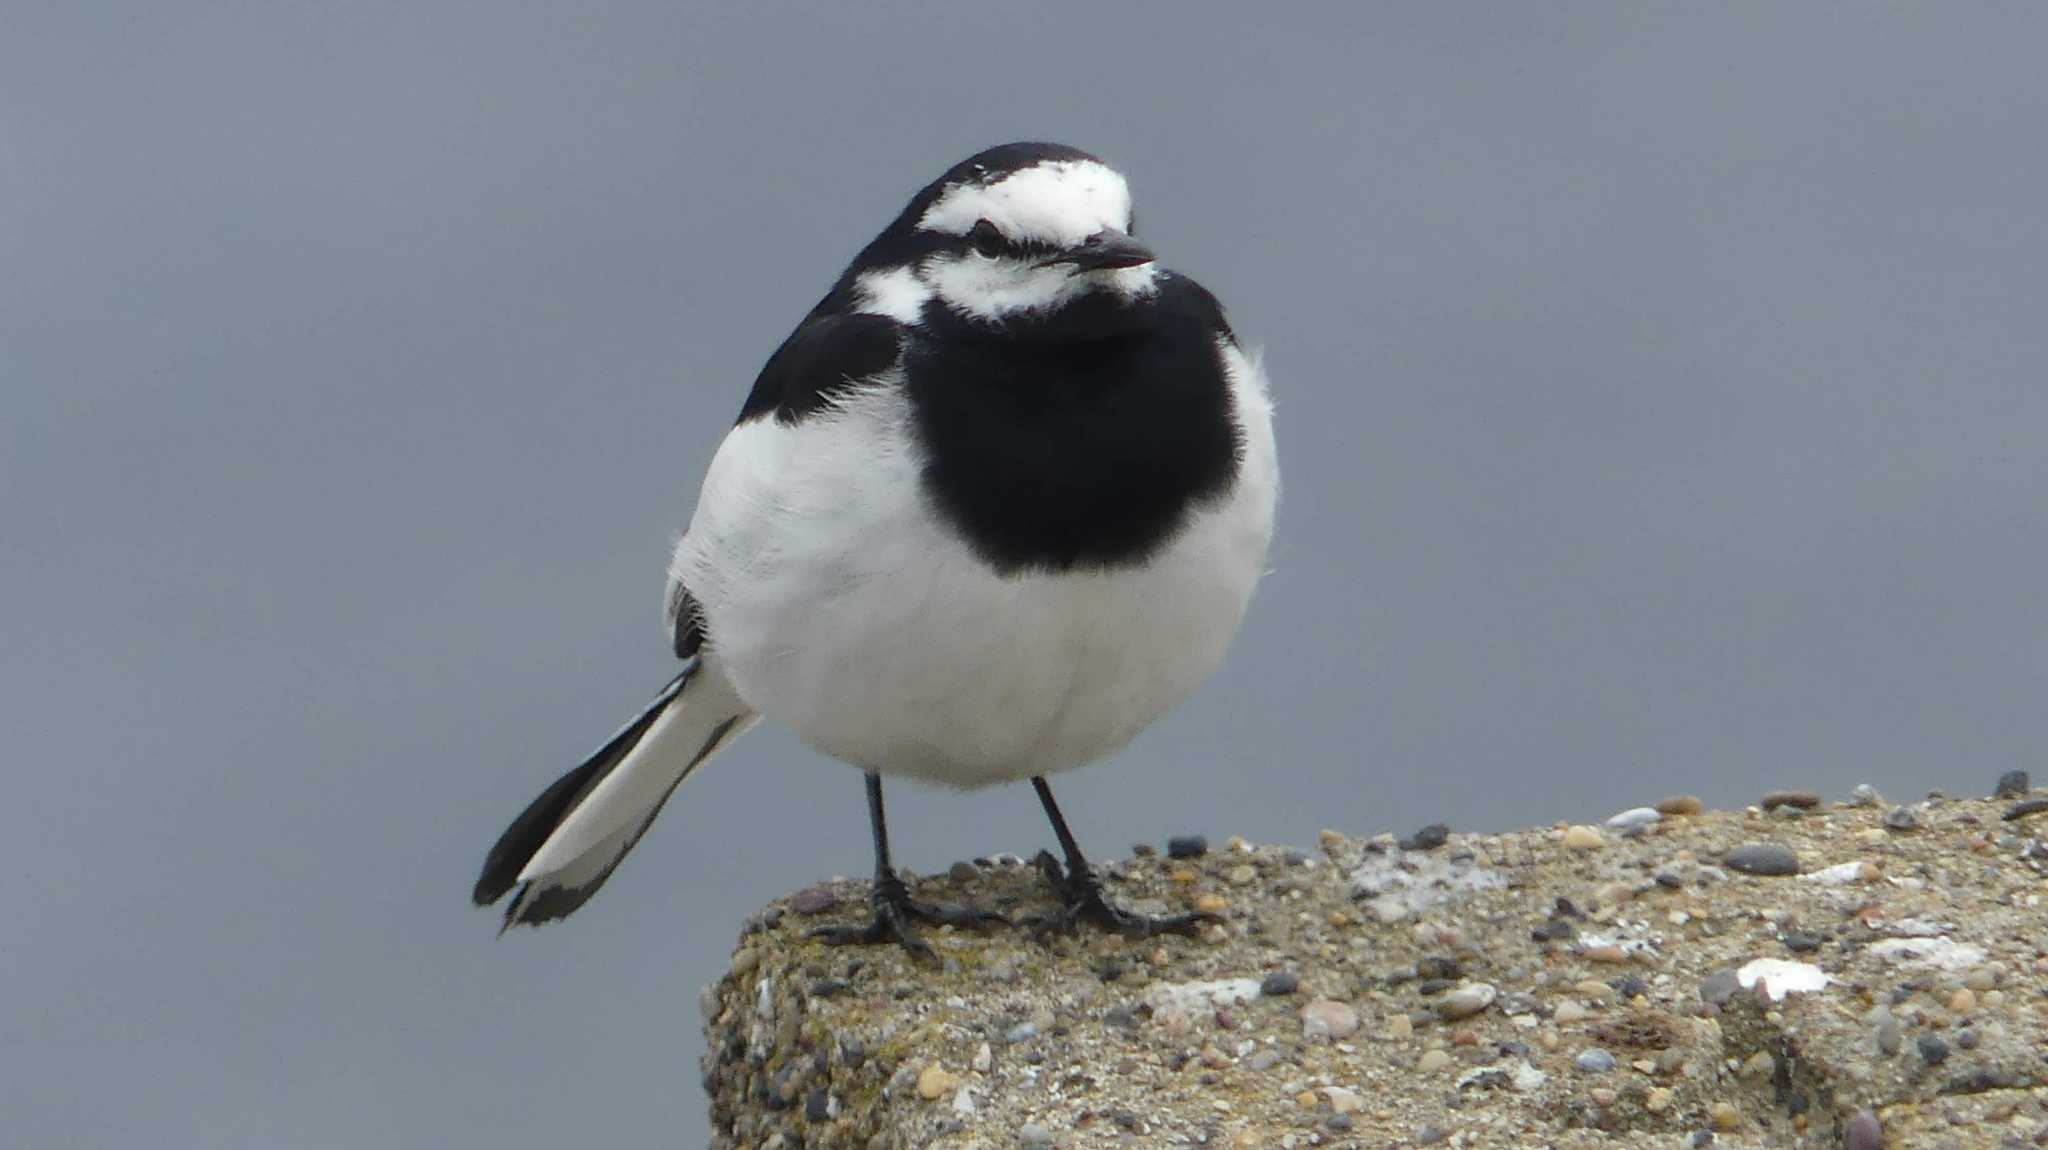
(1081, 891)
(894, 909)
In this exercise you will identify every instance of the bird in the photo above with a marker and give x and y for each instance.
(994, 507)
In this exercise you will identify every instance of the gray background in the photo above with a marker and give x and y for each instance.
(1662, 407)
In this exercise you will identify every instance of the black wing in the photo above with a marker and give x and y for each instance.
(827, 353)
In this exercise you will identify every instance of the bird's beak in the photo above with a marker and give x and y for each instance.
(1106, 249)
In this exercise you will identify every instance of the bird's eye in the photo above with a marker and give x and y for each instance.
(987, 241)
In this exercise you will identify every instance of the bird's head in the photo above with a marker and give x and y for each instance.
(1022, 239)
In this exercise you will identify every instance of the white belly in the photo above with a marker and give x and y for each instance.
(838, 604)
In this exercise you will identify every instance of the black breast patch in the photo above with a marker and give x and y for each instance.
(1057, 454)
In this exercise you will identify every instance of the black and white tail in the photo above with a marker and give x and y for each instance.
(564, 845)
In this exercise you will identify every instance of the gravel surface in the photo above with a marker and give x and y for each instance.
(1561, 987)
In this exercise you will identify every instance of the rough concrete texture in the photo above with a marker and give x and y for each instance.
(1618, 985)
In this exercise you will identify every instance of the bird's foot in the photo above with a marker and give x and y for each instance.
(1082, 900)
(895, 911)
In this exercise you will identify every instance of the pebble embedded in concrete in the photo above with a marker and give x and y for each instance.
(1594, 1061)
(1583, 838)
(1280, 982)
(1327, 1018)
(1467, 1000)
(1799, 800)
(1634, 821)
(1762, 859)
(934, 1082)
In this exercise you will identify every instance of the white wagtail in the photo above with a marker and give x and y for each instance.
(993, 508)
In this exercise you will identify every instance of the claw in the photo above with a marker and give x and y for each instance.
(1082, 901)
(895, 910)
(888, 926)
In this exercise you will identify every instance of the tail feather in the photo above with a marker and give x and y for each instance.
(524, 837)
(567, 842)
(561, 892)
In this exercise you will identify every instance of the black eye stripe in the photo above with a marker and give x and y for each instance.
(985, 239)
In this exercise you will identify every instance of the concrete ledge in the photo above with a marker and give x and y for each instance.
(1621, 985)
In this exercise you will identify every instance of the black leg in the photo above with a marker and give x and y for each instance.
(894, 909)
(1081, 891)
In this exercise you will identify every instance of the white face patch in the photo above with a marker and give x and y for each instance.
(1050, 206)
(1000, 288)
(1059, 202)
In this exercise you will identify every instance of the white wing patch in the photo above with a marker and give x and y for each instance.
(896, 293)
